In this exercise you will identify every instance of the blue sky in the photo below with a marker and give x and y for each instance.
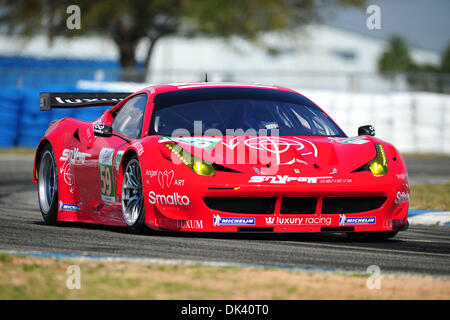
(422, 23)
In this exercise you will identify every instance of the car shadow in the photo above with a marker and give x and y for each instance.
(323, 237)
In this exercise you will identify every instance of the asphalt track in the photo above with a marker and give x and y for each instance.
(421, 249)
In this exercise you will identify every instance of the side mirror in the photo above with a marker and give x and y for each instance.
(102, 130)
(366, 131)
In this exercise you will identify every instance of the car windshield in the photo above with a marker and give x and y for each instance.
(239, 112)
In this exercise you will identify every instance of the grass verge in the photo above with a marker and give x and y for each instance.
(18, 150)
(431, 196)
(41, 278)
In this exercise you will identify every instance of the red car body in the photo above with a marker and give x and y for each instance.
(314, 186)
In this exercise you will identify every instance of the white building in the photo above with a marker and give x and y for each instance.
(315, 57)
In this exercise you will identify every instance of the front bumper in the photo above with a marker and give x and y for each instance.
(197, 216)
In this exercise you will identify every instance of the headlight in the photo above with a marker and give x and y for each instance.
(378, 166)
(196, 164)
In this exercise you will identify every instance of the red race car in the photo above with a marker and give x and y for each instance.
(217, 157)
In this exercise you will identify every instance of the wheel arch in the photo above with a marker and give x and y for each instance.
(123, 162)
(37, 158)
(129, 154)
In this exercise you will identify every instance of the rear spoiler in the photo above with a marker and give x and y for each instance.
(62, 100)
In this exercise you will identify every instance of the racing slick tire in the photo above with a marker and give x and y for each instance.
(372, 236)
(48, 185)
(132, 197)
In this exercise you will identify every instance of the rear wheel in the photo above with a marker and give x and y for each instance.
(48, 186)
(132, 196)
(372, 236)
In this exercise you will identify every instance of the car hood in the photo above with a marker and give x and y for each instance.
(278, 155)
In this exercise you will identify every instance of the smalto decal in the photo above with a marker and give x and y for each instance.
(220, 221)
(174, 199)
(343, 220)
(69, 207)
(402, 197)
(105, 163)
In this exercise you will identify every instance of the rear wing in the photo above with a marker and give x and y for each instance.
(63, 100)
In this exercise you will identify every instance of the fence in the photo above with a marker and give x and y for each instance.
(21, 122)
(415, 122)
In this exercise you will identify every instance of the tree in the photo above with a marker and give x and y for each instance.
(396, 57)
(127, 22)
(397, 60)
(445, 60)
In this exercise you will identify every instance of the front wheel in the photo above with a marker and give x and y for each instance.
(132, 197)
(48, 186)
(372, 236)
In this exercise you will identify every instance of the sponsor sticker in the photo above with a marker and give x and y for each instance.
(343, 220)
(69, 207)
(105, 163)
(283, 179)
(220, 221)
(74, 156)
(298, 221)
(174, 199)
(188, 224)
(355, 140)
(402, 197)
(166, 179)
(70, 157)
(151, 173)
(118, 159)
(200, 142)
(139, 148)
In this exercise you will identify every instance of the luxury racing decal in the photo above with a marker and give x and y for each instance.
(200, 142)
(105, 163)
(68, 207)
(70, 157)
(298, 221)
(219, 221)
(343, 220)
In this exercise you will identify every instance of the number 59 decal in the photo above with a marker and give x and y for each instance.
(105, 163)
